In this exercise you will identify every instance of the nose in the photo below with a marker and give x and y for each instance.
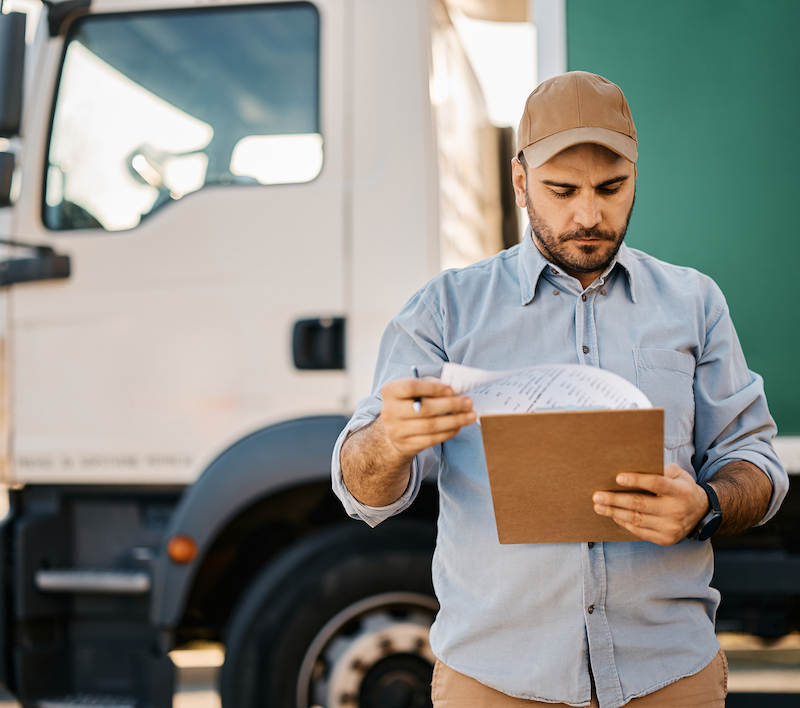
(587, 210)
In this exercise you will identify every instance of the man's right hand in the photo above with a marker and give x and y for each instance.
(376, 460)
(442, 414)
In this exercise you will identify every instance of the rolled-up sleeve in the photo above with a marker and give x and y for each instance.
(732, 421)
(413, 338)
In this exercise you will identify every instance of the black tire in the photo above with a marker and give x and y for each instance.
(339, 619)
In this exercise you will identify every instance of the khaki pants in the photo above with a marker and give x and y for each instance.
(706, 689)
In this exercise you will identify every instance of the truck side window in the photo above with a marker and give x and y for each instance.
(153, 106)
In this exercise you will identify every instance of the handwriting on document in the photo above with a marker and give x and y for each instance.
(541, 388)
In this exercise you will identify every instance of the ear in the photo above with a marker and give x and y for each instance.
(518, 178)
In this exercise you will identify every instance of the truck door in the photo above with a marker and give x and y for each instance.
(190, 162)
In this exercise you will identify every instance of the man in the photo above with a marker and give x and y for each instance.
(583, 623)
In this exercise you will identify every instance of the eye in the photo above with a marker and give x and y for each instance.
(609, 188)
(564, 195)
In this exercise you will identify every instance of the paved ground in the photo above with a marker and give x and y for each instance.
(198, 672)
(757, 669)
(757, 666)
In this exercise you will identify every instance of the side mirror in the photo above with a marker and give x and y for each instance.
(6, 173)
(12, 62)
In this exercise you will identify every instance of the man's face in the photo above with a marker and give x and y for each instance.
(579, 204)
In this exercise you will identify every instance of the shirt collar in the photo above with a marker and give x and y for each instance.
(532, 264)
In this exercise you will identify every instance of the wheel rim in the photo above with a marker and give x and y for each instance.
(373, 654)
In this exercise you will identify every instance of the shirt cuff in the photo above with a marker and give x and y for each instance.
(769, 464)
(372, 515)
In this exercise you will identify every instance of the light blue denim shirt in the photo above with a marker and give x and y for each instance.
(529, 620)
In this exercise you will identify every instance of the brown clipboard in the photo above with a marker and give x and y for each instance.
(544, 468)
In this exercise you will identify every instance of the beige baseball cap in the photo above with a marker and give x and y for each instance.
(576, 107)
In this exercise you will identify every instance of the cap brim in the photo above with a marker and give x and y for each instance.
(540, 152)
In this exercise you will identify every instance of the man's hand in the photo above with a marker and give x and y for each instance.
(376, 460)
(442, 414)
(666, 518)
(679, 503)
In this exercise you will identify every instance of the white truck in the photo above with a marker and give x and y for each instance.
(215, 208)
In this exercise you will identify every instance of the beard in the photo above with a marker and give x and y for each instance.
(590, 257)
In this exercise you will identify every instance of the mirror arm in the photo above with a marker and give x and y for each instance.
(62, 13)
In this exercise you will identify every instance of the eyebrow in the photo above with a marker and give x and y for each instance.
(566, 185)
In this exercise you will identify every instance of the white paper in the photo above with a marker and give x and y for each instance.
(543, 388)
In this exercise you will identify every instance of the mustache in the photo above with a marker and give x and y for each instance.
(592, 234)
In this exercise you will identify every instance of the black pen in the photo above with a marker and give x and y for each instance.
(417, 401)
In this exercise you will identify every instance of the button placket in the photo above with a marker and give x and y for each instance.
(585, 330)
(590, 332)
(601, 649)
(580, 331)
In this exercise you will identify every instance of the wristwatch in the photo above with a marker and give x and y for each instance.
(711, 521)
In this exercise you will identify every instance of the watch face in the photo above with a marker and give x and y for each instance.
(709, 526)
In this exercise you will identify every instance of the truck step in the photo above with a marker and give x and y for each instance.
(86, 700)
(110, 582)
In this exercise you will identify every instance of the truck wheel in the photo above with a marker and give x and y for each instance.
(340, 620)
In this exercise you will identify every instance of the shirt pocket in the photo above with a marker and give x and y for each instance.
(666, 377)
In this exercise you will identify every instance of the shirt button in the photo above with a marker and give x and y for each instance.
(603, 293)
(554, 271)
(591, 609)
(583, 297)
(555, 292)
(591, 544)
(585, 349)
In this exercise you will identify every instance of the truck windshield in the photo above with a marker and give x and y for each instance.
(153, 106)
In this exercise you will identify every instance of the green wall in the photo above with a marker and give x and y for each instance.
(714, 88)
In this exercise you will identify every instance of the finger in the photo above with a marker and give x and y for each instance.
(654, 483)
(642, 503)
(411, 427)
(412, 436)
(415, 388)
(647, 534)
(658, 514)
(431, 407)
(659, 529)
(426, 441)
(628, 516)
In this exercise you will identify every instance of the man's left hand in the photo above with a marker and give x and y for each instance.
(667, 517)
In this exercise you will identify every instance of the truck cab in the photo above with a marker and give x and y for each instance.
(216, 209)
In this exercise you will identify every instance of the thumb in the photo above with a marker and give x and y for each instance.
(673, 471)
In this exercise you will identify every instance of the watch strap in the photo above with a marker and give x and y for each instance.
(713, 499)
(711, 521)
